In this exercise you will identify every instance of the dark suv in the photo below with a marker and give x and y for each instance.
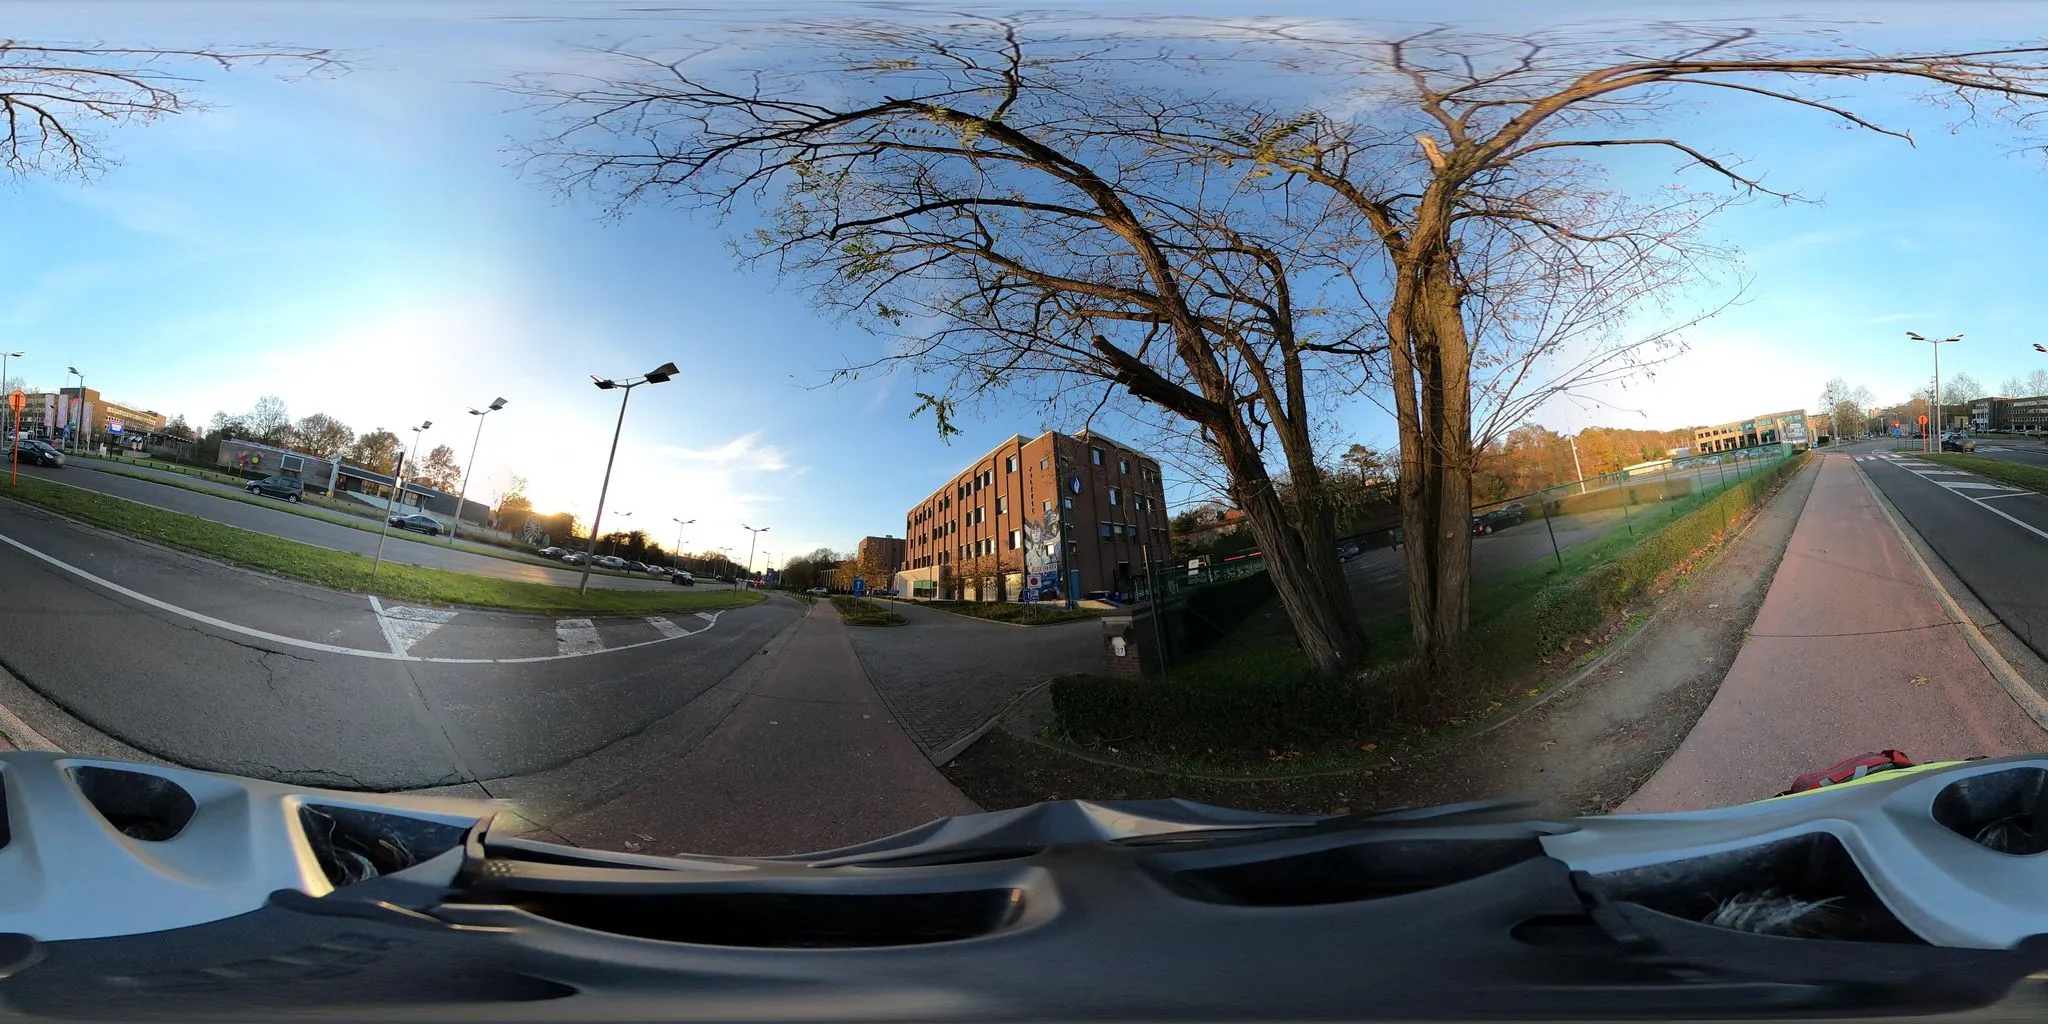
(288, 488)
(1958, 442)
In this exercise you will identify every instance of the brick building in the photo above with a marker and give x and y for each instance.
(1031, 514)
(886, 552)
(82, 415)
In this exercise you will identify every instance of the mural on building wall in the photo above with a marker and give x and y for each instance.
(1041, 557)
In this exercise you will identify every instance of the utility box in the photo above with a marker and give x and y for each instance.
(1120, 648)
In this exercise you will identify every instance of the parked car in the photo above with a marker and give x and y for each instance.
(817, 592)
(636, 566)
(288, 488)
(552, 551)
(609, 562)
(575, 558)
(417, 522)
(1498, 519)
(683, 579)
(1347, 551)
(1958, 442)
(37, 453)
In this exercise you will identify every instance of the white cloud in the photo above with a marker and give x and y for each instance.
(743, 452)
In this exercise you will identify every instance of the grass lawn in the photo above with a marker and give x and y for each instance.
(1012, 611)
(342, 570)
(339, 512)
(865, 613)
(2033, 478)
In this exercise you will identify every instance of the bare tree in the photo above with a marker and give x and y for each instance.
(323, 435)
(978, 196)
(1463, 158)
(1961, 388)
(54, 99)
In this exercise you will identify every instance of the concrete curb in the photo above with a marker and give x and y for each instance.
(2022, 694)
(947, 753)
(21, 735)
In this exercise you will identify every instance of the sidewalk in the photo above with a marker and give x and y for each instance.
(1851, 652)
(809, 759)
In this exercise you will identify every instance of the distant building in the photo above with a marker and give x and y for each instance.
(1767, 429)
(83, 415)
(1078, 513)
(339, 477)
(886, 552)
(2030, 415)
(1991, 413)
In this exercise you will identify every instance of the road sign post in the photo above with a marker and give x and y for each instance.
(860, 587)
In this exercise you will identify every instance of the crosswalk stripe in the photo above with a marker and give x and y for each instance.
(707, 616)
(576, 636)
(666, 628)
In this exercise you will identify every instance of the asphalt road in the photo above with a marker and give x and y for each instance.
(210, 666)
(398, 547)
(1994, 538)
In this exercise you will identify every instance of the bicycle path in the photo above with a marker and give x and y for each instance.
(810, 758)
(1852, 651)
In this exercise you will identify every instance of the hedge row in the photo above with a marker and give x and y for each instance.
(1269, 697)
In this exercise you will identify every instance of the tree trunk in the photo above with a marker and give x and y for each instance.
(1301, 559)
(1432, 373)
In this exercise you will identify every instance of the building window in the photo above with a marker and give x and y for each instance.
(1002, 506)
(1010, 465)
(1123, 466)
(1045, 463)
(1016, 539)
(1048, 505)
(1116, 497)
(1095, 455)
(1107, 530)
(1066, 501)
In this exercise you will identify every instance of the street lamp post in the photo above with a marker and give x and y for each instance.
(1927, 442)
(622, 515)
(677, 560)
(4, 356)
(78, 406)
(397, 483)
(751, 541)
(470, 469)
(658, 375)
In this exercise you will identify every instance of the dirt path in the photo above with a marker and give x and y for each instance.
(1581, 752)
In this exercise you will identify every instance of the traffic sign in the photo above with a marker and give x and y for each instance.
(17, 401)
(860, 586)
(1923, 419)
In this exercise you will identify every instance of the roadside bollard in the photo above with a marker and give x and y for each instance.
(1119, 648)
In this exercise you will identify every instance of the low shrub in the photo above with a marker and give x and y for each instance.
(865, 613)
(1240, 699)
(1013, 611)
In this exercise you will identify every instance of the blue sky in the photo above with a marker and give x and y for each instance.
(359, 245)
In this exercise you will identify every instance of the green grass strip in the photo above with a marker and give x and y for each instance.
(359, 517)
(865, 613)
(344, 570)
(2018, 474)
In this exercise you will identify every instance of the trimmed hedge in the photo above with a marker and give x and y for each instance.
(1268, 697)
(865, 613)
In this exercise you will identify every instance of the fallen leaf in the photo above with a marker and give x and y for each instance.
(1919, 680)
(1535, 690)
(1547, 744)
(1713, 606)
(1367, 747)
(1341, 810)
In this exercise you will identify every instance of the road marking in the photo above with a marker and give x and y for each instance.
(1973, 485)
(576, 636)
(665, 627)
(408, 625)
(315, 645)
(2008, 494)
(1942, 472)
(708, 616)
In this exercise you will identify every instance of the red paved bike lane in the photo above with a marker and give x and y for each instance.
(1850, 652)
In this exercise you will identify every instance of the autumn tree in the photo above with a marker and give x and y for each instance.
(377, 451)
(179, 429)
(981, 197)
(1847, 407)
(322, 435)
(439, 469)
